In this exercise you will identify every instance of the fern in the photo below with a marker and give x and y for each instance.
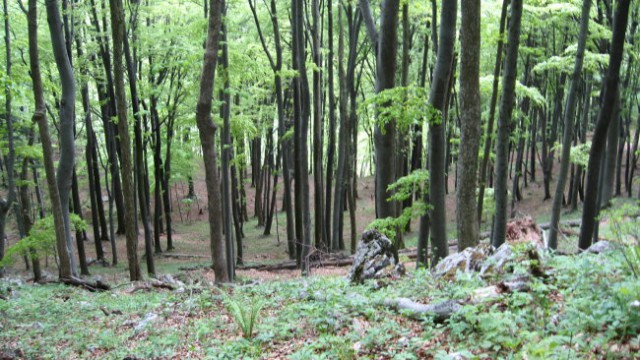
(244, 313)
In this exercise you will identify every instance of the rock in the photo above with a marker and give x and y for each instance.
(11, 354)
(601, 247)
(484, 294)
(149, 318)
(15, 282)
(374, 258)
(467, 261)
(635, 304)
(496, 263)
(457, 356)
(167, 278)
(403, 341)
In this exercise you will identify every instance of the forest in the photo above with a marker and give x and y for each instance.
(320, 179)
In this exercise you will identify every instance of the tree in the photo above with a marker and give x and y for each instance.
(504, 124)
(66, 131)
(569, 114)
(128, 191)
(486, 153)
(437, 147)
(301, 105)
(386, 45)
(7, 203)
(40, 117)
(207, 130)
(470, 123)
(610, 92)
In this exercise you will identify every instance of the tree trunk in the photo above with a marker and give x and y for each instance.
(226, 145)
(67, 120)
(320, 239)
(569, 114)
(437, 147)
(301, 114)
(610, 92)
(140, 170)
(610, 157)
(486, 153)
(207, 130)
(128, 191)
(504, 122)
(470, 127)
(386, 43)
(331, 141)
(40, 117)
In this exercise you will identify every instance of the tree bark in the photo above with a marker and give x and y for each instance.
(486, 153)
(437, 146)
(227, 211)
(64, 174)
(128, 191)
(301, 114)
(470, 127)
(610, 92)
(384, 135)
(207, 130)
(331, 141)
(504, 123)
(569, 114)
(40, 117)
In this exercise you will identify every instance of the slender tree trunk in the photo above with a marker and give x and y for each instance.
(331, 141)
(25, 210)
(301, 114)
(207, 130)
(226, 145)
(128, 191)
(40, 117)
(320, 238)
(66, 131)
(386, 45)
(486, 153)
(6, 204)
(569, 114)
(610, 158)
(504, 121)
(470, 128)
(140, 170)
(437, 147)
(610, 92)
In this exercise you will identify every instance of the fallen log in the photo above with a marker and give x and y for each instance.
(440, 311)
(184, 256)
(291, 265)
(98, 285)
(443, 310)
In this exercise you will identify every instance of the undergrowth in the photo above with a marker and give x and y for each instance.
(584, 309)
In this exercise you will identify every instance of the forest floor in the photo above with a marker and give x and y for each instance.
(582, 306)
(580, 310)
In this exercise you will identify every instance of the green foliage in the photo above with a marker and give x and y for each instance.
(522, 91)
(624, 224)
(580, 154)
(245, 313)
(41, 239)
(417, 182)
(404, 105)
(580, 310)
